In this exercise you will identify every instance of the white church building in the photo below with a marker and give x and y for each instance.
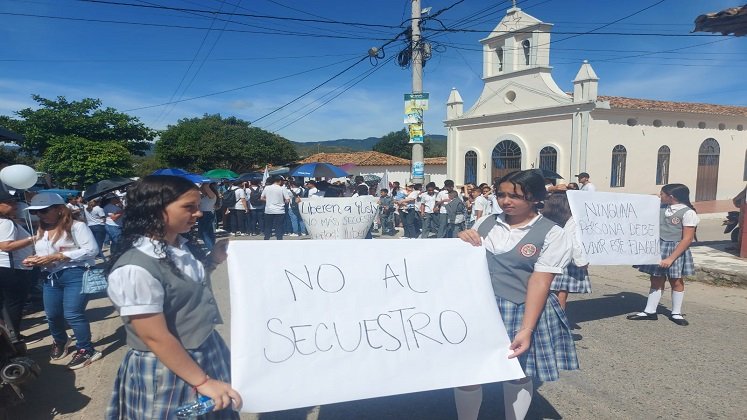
(524, 120)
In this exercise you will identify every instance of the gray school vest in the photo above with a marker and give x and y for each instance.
(510, 271)
(670, 227)
(189, 306)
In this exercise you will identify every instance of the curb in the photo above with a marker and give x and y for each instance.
(718, 277)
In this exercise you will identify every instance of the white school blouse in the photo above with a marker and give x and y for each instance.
(689, 219)
(134, 291)
(579, 258)
(554, 255)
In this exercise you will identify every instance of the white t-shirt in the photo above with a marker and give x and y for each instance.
(96, 216)
(134, 291)
(207, 203)
(443, 195)
(240, 193)
(428, 201)
(690, 218)
(554, 255)
(79, 255)
(110, 209)
(588, 187)
(482, 204)
(10, 231)
(274, 196)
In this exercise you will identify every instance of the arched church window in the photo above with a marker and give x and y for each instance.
(549, 159)
(506, 158)
(525, 46)
(662, 166)
(499, 53)
(470, 167)
(619, 155)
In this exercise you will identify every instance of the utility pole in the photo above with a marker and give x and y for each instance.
(418, 165)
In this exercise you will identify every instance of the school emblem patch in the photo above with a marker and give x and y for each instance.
(676, 220)
(528, 250)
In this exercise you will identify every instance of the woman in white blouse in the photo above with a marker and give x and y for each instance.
(64, 247)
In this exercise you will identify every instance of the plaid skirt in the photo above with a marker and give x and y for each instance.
(574, 279)
(146, 389)
(552, 346)
(682, 266)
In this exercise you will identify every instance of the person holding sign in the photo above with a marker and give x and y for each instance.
(575, 276)
(677, 224)
(162, 291)
(525, 251)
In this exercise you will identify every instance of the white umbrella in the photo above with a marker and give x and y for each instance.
(383, 182)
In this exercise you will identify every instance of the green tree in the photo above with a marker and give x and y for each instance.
(85, 119)
(397, 144)
(199, 144)
(76, 161)
(145, 165)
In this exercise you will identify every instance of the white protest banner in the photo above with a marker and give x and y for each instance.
(617, 228)
(338, 218)
(334, 324)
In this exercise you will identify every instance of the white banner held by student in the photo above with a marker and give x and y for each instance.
(617, 228)
(334, 324)
(338, 218)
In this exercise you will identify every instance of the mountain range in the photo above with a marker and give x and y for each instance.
(438, 145)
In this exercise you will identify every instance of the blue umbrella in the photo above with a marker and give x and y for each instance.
(318, 170)
(197, 179)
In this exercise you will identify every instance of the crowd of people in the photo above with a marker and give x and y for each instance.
(523, 221)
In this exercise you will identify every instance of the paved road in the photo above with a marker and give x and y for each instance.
(630, 370)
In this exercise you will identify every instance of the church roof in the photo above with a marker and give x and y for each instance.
(371, 158)
(691, 107)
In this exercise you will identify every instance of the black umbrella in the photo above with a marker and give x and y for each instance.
(102, 187)
(548, 174)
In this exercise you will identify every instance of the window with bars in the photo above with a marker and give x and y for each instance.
(617, 177)
(548, 159)
(662, 166)
(470, 167)
(506, 158)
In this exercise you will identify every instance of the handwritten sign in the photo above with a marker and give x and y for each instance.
(338, 218)
(617, 228)
(347, 320)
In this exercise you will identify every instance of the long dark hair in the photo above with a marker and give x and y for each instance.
(557, 208)
(147, 200)
(531, 183)
(680, 192)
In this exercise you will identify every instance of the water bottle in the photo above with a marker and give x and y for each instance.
(202, 405)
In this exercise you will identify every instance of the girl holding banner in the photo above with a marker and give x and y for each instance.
(575, 276)
(525, 251)
(162, 290)
(677, 223)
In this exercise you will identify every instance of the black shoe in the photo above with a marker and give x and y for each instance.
(59, 351)
(639, 317)
(83, 358)
(679, 321)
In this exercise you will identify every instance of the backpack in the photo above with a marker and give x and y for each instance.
(229, 198)
(255, 196)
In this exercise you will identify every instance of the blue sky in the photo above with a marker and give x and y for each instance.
(227, 62)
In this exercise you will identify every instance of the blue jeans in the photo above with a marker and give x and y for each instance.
(63, 303)
(206, 229)
(296, 221)
(99, 233)
(115, 235)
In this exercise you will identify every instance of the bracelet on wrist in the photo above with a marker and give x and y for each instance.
(522, 329)
(203, 382)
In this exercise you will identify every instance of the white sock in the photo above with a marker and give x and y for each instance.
(654, 296)
(468, 403)
(517, 398)
(677, 298)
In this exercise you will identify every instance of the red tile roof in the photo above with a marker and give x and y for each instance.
(691, 107)
(366, 159)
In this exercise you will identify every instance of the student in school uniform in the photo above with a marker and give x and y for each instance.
(677, 223)
(524, 251)
(160, 284)
(575, 276)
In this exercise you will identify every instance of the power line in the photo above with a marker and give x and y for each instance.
(240, 87)
(161, 25)
(167, 60)
(252, 15)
